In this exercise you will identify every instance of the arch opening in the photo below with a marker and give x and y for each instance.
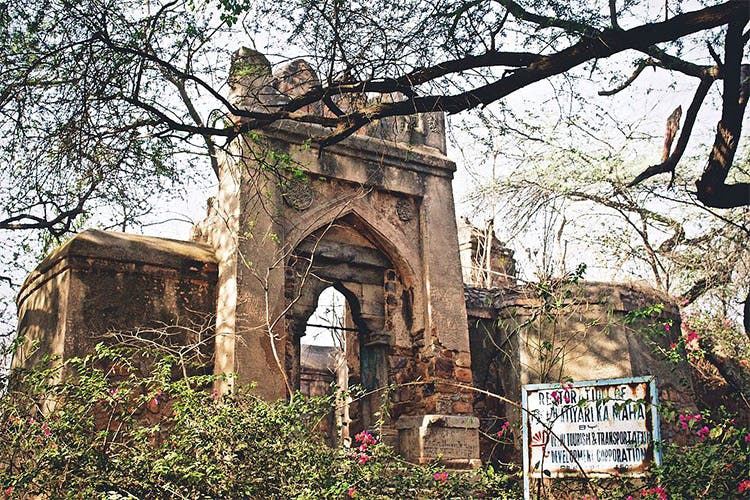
(344, 287)
(330, 359)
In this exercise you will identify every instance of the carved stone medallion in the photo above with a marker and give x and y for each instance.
(297, 193)
(405, 209)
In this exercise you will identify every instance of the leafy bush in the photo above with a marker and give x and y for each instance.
(716, 465)
(111, 428)
(121, 424)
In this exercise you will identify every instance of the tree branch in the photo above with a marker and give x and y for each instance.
(642, 64)
(703, 285)
(195, 115)
(547, 22)
(687, 128)
(605, 45)
(613, 14)
(712, 188)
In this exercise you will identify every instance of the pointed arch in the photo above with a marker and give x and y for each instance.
(371, 224)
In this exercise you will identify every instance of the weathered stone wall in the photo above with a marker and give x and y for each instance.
(525, 335)
(100, 282)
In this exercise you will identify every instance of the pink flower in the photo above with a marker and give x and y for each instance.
(660, 492)
(365, 438)
(692, 340)
(685, 419)
(363, 458)
(45, 429)
(747, 438)
(673, 346)
(113, 392)
(556, 396)
(567, 385)
(352, 492)
(441, 476)
(744, 486)
(503, 429)
(667, 327)
(703, 433)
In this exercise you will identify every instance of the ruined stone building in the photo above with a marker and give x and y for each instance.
(430, 308)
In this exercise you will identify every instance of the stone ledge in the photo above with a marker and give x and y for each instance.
(417, 158)
(110, 246)
(424, 421)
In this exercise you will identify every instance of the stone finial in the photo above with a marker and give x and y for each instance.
(250, 82)
(253, 87)
(296, 78)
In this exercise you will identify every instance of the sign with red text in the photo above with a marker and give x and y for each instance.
(599, 427)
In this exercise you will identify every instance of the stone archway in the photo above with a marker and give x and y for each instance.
(340, 256)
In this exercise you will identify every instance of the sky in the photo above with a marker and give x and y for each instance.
(648, 103)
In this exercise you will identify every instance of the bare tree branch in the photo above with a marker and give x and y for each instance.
(712, 188)
(606, 44)
(671, 163)
(642, 64)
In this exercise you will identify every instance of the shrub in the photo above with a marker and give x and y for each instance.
(109, 430)
(716, 465)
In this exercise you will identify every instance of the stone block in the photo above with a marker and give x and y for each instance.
(443, 367)
(397, 362)
(462, 407)
(452, 439)
(463, 359)
(464, 375)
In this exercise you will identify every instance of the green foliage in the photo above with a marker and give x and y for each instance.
(651, 311)
(714, 466)
(121, 425)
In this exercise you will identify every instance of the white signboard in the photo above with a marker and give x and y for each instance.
(600, 427)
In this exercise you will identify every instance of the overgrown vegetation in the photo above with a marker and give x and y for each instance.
(121, 424)
(113, 430)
